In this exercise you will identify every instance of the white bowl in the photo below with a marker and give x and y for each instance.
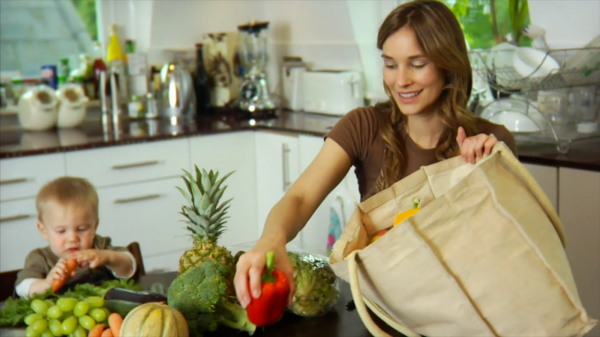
(515, 121)
(526, 60)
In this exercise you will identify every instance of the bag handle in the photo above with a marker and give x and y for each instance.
(535, 189)
(373, 328)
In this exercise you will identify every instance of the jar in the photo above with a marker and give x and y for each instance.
(554, 106)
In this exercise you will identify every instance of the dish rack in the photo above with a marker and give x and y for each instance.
(578, 67)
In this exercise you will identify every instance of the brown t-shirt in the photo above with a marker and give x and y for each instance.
(40, 261)
(358, 134)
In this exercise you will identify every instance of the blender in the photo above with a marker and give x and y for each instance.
(254, 92)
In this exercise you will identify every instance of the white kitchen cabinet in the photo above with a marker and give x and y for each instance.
(579, 204)
(18, 233)
(23, 177)
(228, 152)
(277, 168)
(116, 165)
(148, 213)
(343, 198)
(547, 178)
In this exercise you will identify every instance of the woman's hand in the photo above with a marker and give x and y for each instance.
(250, 266)
(475, 147)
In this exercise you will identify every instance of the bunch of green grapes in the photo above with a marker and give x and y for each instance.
(66, 317)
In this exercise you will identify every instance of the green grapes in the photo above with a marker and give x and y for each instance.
(81, 308)
(67, 317)
(66, 303)
(69, 325)
(95, 302)
(54, 312)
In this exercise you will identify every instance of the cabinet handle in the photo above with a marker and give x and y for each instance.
(132, 165)
(12, 181)
(285, 150)
(143, 197)
(15, 217)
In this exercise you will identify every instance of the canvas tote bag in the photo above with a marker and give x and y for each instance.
(484, 256)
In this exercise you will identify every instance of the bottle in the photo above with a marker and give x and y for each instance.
(201, 85)
(115, 60)
(64, 70)
(98, 67)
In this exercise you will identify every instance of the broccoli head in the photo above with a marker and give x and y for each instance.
(316, 285)
(201, 294)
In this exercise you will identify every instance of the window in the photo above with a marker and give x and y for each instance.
(477, 18)
(38, 32)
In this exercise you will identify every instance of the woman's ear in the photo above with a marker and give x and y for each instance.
(42, 230)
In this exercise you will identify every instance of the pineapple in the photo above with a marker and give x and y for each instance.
(205, 219)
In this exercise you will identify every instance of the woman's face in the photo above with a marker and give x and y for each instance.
(414, 82)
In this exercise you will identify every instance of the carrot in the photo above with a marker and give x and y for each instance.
(114, 322)
(107, 333)
(96, 331)
(58, 283)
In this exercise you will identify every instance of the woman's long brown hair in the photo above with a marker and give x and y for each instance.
(440, 37)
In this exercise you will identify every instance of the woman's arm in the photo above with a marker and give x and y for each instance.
(289, 216)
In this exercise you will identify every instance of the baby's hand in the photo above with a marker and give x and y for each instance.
(91, 257)
(58, 272)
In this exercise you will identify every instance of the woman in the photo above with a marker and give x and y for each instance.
(428, 77)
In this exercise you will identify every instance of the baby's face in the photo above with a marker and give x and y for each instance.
(68, 228)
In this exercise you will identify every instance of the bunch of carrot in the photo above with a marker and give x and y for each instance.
(114, 327)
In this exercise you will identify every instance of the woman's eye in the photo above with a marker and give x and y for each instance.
(418, 65)
(390, 66)
(61, 231)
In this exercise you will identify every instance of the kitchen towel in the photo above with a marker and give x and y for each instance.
(484, 256)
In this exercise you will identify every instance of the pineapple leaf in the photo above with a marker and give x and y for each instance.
(188, 181)
(220, 181)
(197, 195)
(221, 206)
(198, 220)
(219, 194)
(185, 195)
(217, 216)
(198, 178)
(213, 176)
(204, 202)
(206, 185)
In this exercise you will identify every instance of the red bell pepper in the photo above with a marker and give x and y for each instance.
(269, 307)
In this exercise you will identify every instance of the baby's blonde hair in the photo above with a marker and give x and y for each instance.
(68, 191)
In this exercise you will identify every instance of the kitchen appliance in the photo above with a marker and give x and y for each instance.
(72, 105)
(254, 91)
(332, 92)
(223, 66)
(177, 99)
(37, 108)
(292, 79)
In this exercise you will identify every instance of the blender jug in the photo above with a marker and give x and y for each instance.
(254, 92)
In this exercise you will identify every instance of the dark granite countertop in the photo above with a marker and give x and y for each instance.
(93, 133)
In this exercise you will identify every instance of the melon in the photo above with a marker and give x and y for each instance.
(154, 319)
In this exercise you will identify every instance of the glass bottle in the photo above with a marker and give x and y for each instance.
(201, 85)
(98, 67)
(115, 60)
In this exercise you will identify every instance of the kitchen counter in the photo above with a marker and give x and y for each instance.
(93, 133)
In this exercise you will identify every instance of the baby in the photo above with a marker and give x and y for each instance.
(68, 219)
